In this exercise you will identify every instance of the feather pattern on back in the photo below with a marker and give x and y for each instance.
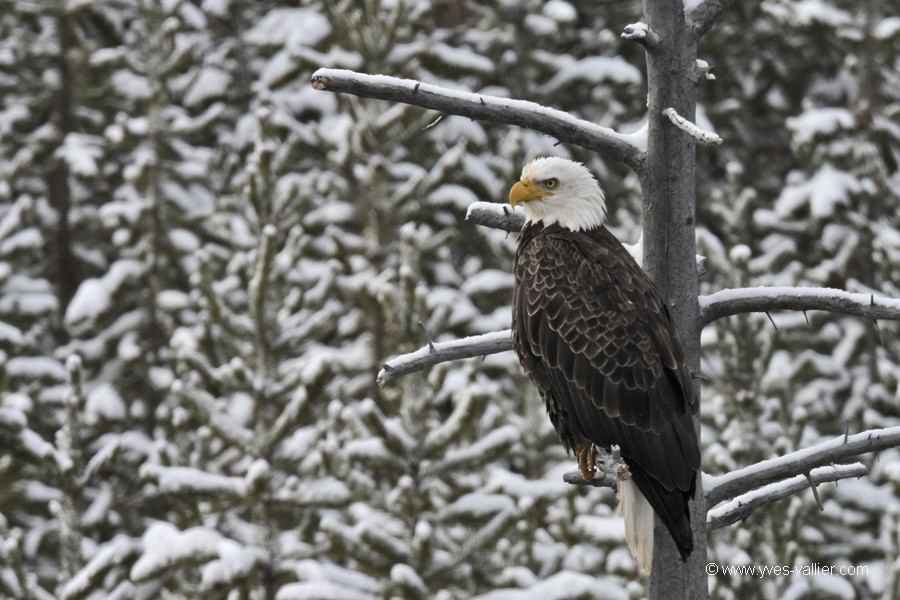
(594, 335)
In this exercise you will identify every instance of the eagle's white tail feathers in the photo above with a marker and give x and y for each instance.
(639, 521)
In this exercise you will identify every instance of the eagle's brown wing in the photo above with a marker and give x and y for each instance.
(596, 338)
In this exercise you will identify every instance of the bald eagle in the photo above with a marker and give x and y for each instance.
(595, 337)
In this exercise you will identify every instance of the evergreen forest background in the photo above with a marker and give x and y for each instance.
(204, 262)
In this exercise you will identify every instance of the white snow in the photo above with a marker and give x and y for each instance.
(808, 12)
(822, 193)
(111, 553)
(321, 590)
(453, 195)
(210, 83)
(459, 57)
(104, 402)
(27, 303)
(562, 585)
(887, 28)
(601, 529)
(595, 69)
(131, 85)
(408, 577)
(517, 486)
(25, 240)
(488, 281)
(287, 26)
(541, 25)
(13, 418)
(96, 295)
(235, 561)
(478, 505)
(806, 126)
(9, 334)
(165, 545)
(184, 240)
(560, 11)
(35, 368)
(188, 480)
(81, 153)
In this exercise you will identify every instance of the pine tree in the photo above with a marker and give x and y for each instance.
(804, 210)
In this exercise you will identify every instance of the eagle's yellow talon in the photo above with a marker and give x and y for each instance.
(586, 463)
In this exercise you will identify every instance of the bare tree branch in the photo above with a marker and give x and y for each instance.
(731, 302)
(702, 16)
(478, 345)
(495, 216)
(601, 479)
(730, 485)
(740, 507)
(712, 307)
(522, 113)
(692, 129)
(640, 33)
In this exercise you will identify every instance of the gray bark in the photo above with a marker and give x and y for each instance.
(667, 181)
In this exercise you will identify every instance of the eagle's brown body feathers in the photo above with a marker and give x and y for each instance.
(596, 338)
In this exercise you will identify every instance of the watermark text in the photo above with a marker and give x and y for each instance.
(762, 571)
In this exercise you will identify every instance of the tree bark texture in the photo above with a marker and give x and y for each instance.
(667, 182)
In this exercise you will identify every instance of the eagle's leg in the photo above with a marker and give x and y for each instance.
(586, 463)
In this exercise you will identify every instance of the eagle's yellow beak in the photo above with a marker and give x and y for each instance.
(525, 191)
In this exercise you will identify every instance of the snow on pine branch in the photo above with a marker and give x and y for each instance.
(698, 133)
(723, 487)
(740, 507)
(764, 299)
(432, 354)
(629, 149)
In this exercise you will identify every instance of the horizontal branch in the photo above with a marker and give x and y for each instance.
(495, 216)
(764, 299)
(601, 479)
(432, 354)
(642, 34)
(723, 487)
(522, 113)
(702, 17)
(740, 507)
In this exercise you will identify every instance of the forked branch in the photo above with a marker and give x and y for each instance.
(702, 16)
(529, 115)
(724, 487)
(740, 507)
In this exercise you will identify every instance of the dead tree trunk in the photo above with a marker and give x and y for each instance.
(667, 181)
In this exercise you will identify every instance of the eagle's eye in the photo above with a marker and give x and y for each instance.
(551, 183)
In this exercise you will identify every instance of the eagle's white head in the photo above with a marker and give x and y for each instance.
(558, 190)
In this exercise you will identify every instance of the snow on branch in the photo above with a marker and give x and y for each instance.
(642, 34)
(764, 299)
(698, 133)
(740, 481)
(740, 507)
(495, 216)
(702, 16)
(468, 347)
(556, 123)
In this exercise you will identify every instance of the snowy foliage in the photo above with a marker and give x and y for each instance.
(204, 263)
